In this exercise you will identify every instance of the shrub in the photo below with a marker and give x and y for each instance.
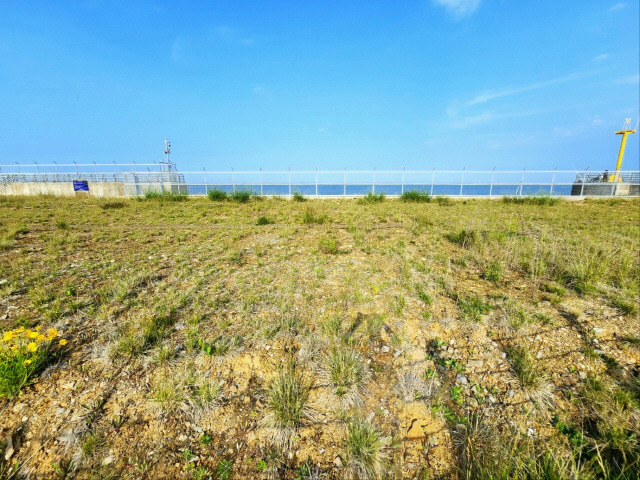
(23, 354)
(464, 238)
(444, 201)
(309, 216)
(329, 245)
(112, 205)
(217, 195)
(415, 196)
(264, 221)
(241, 196)
(165, 196)
(299, 197)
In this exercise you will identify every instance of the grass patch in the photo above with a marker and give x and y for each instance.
(472, 308)
(364, 450)
(372, 198)
(287, 408)
(415, 196)
(532, 200)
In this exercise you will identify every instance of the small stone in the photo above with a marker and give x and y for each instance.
(182, 438)
(415, 432)
(385, 349)
(583, 375)
(338, 462)
(197, 429)
(511, 393)
(474, 364)
(18, 407)
(462, 379)
(492, 399)
(321, 451)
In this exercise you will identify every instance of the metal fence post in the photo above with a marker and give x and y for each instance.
(462, 180)
(521, 181)
(433, 174)
(373, 187)
(206, 187)
(491, 186)
(584, 178)
(553, 180)
(344, 183)
(402, 188)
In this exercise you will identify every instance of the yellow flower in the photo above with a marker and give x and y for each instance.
(40, 337)
(32, 334)
(38, 328)
(52, 333)
(32, 347)
(14, 348)
(7, 336)
(19, 330)
(27, 362)
(62, 342)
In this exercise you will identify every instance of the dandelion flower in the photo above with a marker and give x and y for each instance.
(38, 328)
(52, 332)
(32, 347)
(27, 362)
(13, 348)
(19, 330)
(62, 342)
(31, 334)
(7, 336)
(40, 337)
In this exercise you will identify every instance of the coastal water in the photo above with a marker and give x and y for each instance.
(392, 190)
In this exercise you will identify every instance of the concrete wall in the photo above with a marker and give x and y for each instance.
(96, 189)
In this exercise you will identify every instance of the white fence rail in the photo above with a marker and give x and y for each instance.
(328, 183)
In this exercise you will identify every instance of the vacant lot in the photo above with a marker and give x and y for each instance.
(265, 338)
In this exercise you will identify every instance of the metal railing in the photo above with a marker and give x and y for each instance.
(330, 183)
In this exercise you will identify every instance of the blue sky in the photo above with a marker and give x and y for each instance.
(419, 84)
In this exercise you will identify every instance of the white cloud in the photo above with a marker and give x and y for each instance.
(491, 95)
(633, 79)
(618, 6)
(600, 58)
(459, 8)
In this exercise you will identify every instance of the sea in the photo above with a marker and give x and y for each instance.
(349, 190)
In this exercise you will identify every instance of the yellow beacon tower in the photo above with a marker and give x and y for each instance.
(624, 133)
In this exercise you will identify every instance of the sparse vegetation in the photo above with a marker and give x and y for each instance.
(197, 327)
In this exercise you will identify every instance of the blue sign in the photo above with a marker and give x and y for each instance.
(80, 186)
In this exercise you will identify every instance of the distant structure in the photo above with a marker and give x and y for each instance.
(626, 131)
(607, 184)
(96, 180)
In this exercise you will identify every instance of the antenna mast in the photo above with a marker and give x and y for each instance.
(167, 150)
